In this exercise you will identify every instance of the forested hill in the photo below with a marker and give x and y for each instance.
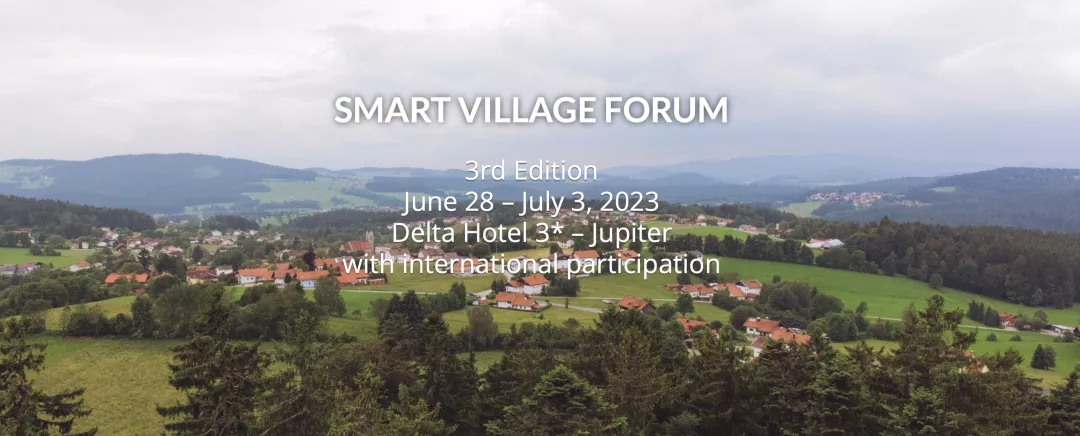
(67, 219)
(1031, 198)
(155, 183)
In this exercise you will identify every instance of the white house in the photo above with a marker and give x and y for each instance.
(749, 287)
(223, 269)
(79, 266)
(824, 243)
(307, 279)
(528, 285)
(253, 275)
(587, 258)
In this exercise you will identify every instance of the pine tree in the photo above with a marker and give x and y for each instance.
(297, 402)
(220, 381)
(992, 318)
(561, 403)
(361, 412)
(25, 410)
(1064, 407)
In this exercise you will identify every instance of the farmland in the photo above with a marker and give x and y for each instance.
(804, 209)
(22, 255)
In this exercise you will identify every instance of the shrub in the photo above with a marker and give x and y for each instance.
(991, 337)
(1015, 338)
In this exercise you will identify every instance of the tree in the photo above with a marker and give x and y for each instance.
(328, 295)
(24, 410)
(220, 381)
(297, 402)
(683, 278)
(936, 281)
(1044, 357)
(684, 304)
(666, 311)
(142, 317)
(498, 284)
(991, 337)
(1064, 406)
(554, 249)
(481, 250)
(197, 254)
(560, 403)
(482, 330)
(739, 316)
(361, 412)
(991, 318)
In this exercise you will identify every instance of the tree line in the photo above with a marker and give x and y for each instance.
(66, 219)
(629, 374)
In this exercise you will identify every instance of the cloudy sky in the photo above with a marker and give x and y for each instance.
(994, 81)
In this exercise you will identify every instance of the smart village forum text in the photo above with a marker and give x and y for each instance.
(513, 110)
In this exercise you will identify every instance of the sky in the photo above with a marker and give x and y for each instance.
(958, 80)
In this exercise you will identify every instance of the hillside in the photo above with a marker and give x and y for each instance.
(155, 183)
(1032, 198)
(67, 219)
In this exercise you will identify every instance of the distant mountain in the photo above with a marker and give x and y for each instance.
(66, 219)
(155, 183)
(807, 170)
(1033, 198)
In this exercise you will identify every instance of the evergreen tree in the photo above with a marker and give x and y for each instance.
(142, 317)
(560, 403)
(220, 381)
(297, 402)
(1064, 407)
(24, 410)
(361, 412)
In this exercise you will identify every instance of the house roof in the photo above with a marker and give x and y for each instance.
(752, 284)
(357, 245)
(783, 334)
(733, 290)
(311, 275)
(505, 296)
(352, 277)
(82, 264)
(689, 324)
(762, 325)
(633, 303)
(131, 278)
(535, 280)
(587, 254)
(258, 273)
(522, 300)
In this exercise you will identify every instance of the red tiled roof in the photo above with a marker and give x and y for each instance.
(733, 290)
(348, 279)
(689, 324)
(783, 334)
(633, 303)
(311, 275)
(82, 264)
(587, 254)
(752, 284)
(131, 278)
(535, 280)
(356, 246)
(522, 300)
(762, 325)
(505, 296)
(258, 273)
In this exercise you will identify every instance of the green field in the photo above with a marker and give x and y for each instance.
(804, 209)
(945, 189)
(22, 255)
(322, 189)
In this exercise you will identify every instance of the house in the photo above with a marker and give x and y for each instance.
(200, 276)
(431, 253)
(733, 291)
(356, 246)
(761, 326)
(749, 287)
(79, 266)
(634, 303)
(587, 258)
(690, 324)
(29, 267)
(251, 276)
(781, 335)
(280, 275)
(749, 229)
(356, 278)
(529, 285)
(8, 270)
(673, 287)
(307, 279)
(562, 261)
(515, 301)
(223, 269)
(724, 222)
(131, 278)
(698, 290)
(400, 255)
(1007, 319)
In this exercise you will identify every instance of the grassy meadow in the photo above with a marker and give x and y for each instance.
(803, 209)
(22, 255)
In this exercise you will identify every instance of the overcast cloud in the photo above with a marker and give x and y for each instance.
(973, 80)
